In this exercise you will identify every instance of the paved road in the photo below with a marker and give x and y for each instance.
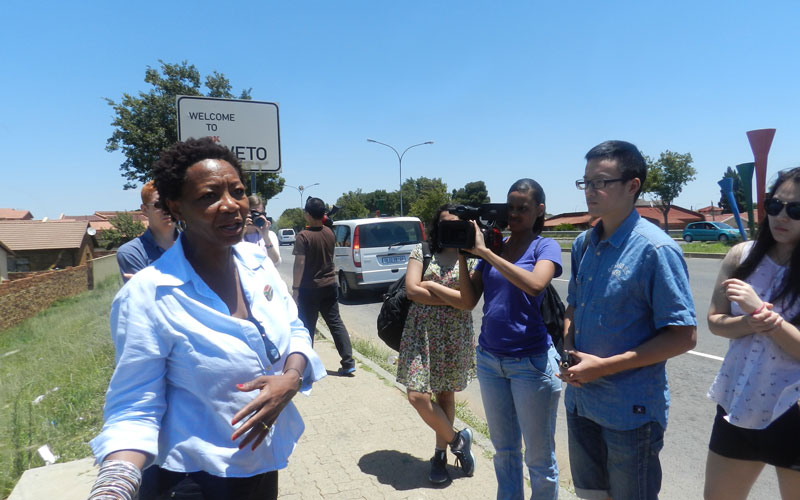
(690, 375)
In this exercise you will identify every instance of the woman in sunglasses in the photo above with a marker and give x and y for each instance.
(756, 304)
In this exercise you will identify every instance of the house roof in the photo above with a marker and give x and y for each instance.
(99, 219)
(13, 214)
(574, 218)
(5, 248)
(676, 215)
(38, 235)
(710, 209)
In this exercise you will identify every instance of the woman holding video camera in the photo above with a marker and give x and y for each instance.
(256, 229)
(437, 351)
(517, 363)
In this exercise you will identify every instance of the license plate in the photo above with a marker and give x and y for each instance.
(393, 259)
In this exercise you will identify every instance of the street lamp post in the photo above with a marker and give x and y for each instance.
(302, 188)
(400, 161)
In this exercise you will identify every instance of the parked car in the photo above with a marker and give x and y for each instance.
(286, 237)
(710, 231)
(370, 254)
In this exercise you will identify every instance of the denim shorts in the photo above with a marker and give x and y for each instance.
(605, 462)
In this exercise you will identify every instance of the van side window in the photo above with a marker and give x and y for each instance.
(342, 236)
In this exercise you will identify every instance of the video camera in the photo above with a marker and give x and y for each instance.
(491, 219)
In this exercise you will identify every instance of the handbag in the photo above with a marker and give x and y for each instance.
(392, 318)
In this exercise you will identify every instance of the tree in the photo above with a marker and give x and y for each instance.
(124, 229)
(666, 178)
(351, 206)
(268, 185)
(146, 124)
(380, 200)
(414, 188)
(738, 192)
(472, 194)
(429, 201)
(292, 218)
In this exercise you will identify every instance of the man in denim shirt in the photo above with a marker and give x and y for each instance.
(629, 310)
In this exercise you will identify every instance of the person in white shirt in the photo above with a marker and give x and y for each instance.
(257, 229)
(756, 304)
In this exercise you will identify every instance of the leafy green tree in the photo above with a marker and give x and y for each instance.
(124, 229)
(414, 188)
(381, 200)
(472, 194)
(145, 124)
(292, 218)
(738, 192)
(429, 201)
(666, 178)
(351, 206)
(268, 185)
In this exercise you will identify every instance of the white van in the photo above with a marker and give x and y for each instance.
(370, 254)
(286, 236)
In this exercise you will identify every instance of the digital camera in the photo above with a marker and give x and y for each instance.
(258, 218)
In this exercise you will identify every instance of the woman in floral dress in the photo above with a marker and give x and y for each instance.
(437, 352)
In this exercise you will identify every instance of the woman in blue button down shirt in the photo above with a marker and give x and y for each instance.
(209, 351)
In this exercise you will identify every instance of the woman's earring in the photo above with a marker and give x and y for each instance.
(181, 224)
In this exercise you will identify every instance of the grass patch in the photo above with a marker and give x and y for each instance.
(377, 354)
(707, 247)
(68, 347)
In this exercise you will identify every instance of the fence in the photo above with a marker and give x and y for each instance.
(22, 298)
(102, 268)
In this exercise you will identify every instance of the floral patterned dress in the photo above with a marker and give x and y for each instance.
(437, 351)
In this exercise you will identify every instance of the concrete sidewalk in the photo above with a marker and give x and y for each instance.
(362, 441)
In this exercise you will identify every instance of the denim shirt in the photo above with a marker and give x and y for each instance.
(179, 356)
(623, 291)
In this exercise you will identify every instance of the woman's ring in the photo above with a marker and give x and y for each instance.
(264, 424)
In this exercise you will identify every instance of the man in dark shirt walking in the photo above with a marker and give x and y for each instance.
(314, 288)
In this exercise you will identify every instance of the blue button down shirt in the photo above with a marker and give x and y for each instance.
(623, 290)
(179, 356)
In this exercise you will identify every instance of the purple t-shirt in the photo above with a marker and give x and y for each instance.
(512, 324)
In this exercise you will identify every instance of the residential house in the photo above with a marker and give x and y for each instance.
(677, 218)
(38, 245)
(5, 252)
(13, 214)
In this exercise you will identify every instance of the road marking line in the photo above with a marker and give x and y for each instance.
(704, 355)
(560, 279)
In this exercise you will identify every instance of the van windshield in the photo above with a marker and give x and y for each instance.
(389, 233)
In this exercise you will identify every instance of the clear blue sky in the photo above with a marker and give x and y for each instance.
(505, 89)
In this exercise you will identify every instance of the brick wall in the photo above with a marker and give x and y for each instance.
(22, 298)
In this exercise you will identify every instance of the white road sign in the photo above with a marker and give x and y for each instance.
(248, 128)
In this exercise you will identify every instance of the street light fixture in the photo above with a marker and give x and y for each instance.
(302, 188)
(400, 161)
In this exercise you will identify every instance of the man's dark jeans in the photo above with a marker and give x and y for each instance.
(314, 301)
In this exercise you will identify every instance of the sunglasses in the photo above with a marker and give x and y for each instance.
(774, 206)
